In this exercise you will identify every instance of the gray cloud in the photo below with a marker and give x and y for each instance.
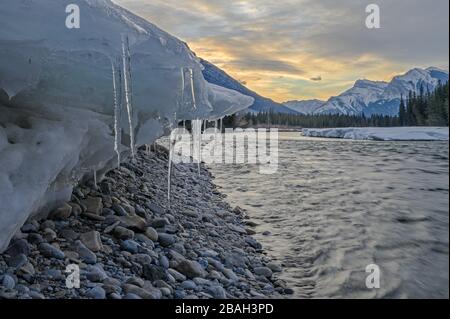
(295, 36)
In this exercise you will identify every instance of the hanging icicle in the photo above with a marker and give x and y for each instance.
(197, 141)
(117, 129)
(183, 85)
(191, 73)
(169, 175)
(95, 179)
(126, 58)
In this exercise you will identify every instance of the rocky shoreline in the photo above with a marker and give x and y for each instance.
(127, 246)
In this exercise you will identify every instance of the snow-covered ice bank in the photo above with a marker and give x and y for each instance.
(70, 98)
(382, 133)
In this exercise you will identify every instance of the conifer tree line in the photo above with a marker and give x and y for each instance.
(425, 109)
(417, 109)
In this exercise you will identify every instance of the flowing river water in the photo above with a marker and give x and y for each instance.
(336, 206)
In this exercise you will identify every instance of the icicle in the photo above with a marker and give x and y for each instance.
(221, 125)
(191, 73)
(95, 179)
(169, 175)
(126, 58)
(117, 130)
(183, 84)
(197, 140)
(216, 130)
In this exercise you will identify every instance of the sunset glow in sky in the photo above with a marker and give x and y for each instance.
(304, 49)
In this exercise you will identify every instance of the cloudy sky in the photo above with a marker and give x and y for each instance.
(302, 49)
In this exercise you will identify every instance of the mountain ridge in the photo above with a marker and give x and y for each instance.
(377, 97)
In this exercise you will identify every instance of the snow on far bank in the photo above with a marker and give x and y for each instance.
(382, 133)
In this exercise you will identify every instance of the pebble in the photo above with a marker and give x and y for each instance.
(130, 245)
(50, 251)
(92, 240)
(166, 239)
(96, 293)
(263, 271)
(86, 255)
(191, 269)
(152, 234)
(19, 246)
(94, 205)
(8, 282)
(123, 233)
(61, 213)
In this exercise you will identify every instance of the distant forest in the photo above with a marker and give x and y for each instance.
(417, 109)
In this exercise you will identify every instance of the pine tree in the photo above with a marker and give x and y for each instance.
(402, 113)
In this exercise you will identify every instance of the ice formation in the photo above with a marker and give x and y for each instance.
(61, 104)
(382, 133)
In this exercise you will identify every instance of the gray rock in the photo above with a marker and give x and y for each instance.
(136, 281)
(123, 233)
(61, 213)
(17, 261)
(96, 293)
(32, 227)
(92, 240)
(69, 234)
(49, 234)
(152, 234)
(176, 275)
(54, 274)
(141, 292)
(263, 271)
(133, 222)
(35, 238)
(188, 284)
(159, 222)
(94, 205)
(17, 247)
(50, 251)
(153, 272)
(86, 255)
(47, 224)
(96, 274)
(155, 208)
(142, 259)
(164, 262)
(275, 267)
(191, 269)
(36, 295)
(230, 275)
(217, 292)
(130, 245)
(119, 210)
(166, 239)
(8, 282)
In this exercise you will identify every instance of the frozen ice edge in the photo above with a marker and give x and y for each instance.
(59, 117)
(382, 133)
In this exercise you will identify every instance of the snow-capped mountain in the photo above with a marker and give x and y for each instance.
(305, 107)
(376, 97)
(215, 75)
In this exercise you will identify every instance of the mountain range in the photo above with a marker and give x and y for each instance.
(374, 97)
(365, 97)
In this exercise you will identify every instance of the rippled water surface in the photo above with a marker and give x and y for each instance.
(336, 206)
